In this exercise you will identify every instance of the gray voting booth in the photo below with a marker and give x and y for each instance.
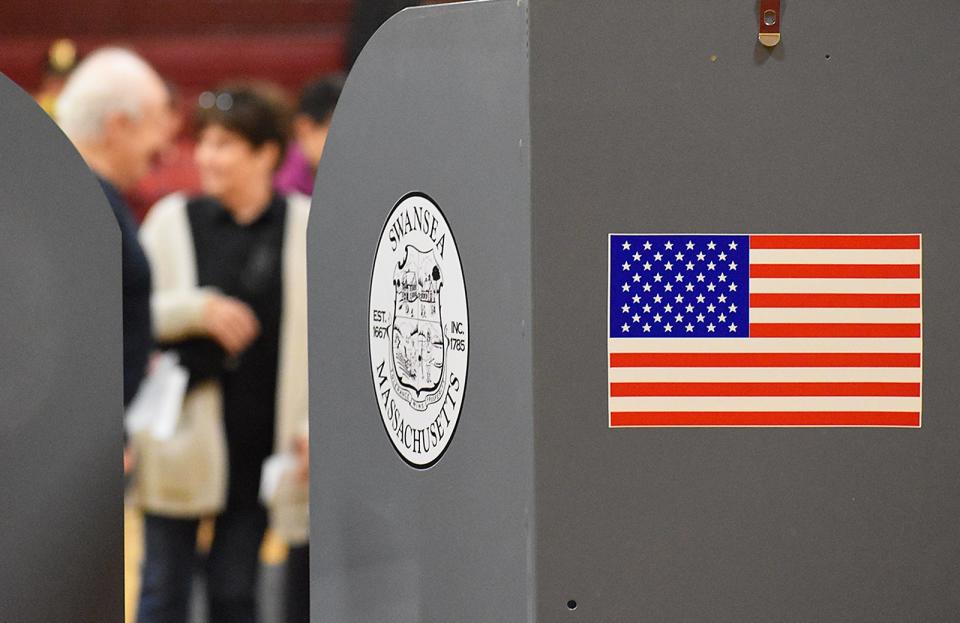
(481, 155)
(61, 385)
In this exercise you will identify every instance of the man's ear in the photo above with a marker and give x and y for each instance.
(116, 124)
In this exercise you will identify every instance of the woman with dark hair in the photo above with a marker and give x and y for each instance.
(229, 270)
(311, 124)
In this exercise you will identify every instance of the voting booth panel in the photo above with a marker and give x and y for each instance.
(669, 118)
(431, 136)
(504, 428)
(60, 378)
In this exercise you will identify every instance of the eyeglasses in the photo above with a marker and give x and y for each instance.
(222, 101)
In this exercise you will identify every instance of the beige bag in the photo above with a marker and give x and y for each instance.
(290, 519)
(185, 475)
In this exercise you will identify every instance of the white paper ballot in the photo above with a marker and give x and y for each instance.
(278, 478)
(156, 407)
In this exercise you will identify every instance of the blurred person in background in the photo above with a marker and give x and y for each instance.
(115, 109)
(175, 170)
(310, 127)
(229, 270)
(61, 59)
(369, 15)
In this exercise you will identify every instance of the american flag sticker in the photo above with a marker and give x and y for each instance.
(764, 330)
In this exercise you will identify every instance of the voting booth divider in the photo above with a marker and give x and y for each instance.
(619, 313)
(61, 381)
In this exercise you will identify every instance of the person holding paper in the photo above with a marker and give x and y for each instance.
(116, 111)
(229, 270)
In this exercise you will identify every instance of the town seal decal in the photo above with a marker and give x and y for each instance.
(419, 335)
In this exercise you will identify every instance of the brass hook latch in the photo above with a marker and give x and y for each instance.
(769, 22)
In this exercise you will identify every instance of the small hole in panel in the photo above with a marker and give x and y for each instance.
(769, 17)
(827, 56)
(572, 604)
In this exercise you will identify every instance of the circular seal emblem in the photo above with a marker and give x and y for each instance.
(419, 335)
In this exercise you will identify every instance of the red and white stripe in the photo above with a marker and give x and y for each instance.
(835, 340)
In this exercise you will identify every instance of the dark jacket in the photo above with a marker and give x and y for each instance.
(137, 338)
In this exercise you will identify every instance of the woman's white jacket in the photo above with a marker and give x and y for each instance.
(189, 479)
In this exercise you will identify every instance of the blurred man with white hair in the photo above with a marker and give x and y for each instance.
(115, 109)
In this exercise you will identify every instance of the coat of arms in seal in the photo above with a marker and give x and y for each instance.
(419, 334)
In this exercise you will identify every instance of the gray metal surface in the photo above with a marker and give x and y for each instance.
(61, 540)
(437, 103)
(643, 116)
(851, 125)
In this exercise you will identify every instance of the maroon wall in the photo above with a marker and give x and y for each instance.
(194, 43)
